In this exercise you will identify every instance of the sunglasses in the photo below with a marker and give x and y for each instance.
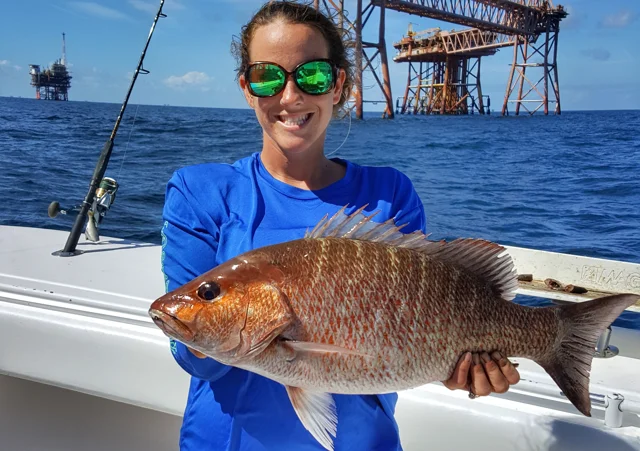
(315, 78)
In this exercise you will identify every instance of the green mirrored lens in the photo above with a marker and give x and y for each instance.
(266, 79)
(315, 77)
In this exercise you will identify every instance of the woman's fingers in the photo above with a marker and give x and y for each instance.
(460, 377)
(483, 374)
(198, 354)
(507, 368)
(498, 381)
(480, 385)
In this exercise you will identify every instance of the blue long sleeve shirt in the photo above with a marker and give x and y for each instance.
(214, 212)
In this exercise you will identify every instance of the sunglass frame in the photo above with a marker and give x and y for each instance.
(287, 74)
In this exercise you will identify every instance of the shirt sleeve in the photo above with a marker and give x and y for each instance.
(188, 250)
(408, 208)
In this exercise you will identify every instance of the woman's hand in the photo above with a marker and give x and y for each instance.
(482, 374)
(198, 354)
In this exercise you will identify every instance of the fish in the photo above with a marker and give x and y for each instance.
(358, 307)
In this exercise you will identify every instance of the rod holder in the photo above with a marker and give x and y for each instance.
(613, 412)
(603, 349)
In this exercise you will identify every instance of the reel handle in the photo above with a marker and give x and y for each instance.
(54, 209)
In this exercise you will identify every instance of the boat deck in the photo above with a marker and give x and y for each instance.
(80, 339)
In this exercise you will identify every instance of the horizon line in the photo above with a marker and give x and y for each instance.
(247, 108)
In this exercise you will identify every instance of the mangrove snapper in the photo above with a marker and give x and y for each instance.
(357, 307)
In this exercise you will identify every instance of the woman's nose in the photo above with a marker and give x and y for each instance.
(291, 94)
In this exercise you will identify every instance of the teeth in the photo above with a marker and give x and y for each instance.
(295, 120)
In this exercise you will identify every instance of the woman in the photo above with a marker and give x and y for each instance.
(295, 74)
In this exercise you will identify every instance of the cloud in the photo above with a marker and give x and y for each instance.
(574, 19)
(597, 54)
(7, 64)
(95, 9)
(620, 19)
(188, 80)
(173, 5)
(141, 5)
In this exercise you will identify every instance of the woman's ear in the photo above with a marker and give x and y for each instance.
(247, 95)
(337, 90)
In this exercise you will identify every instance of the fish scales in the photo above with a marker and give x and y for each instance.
(418, 323)
(357, 307)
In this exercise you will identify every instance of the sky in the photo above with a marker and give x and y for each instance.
(190, 62)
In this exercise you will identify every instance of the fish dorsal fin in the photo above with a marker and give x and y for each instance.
(485, 259)
(357, 226)
(480, 257)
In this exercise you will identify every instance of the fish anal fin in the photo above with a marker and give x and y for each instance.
(569, 361)
(317, 412)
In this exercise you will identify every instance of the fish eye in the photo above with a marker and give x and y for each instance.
(208, 291)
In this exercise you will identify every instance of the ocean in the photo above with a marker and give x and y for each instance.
(565, 183)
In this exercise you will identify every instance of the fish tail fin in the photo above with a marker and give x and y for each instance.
(581, 324)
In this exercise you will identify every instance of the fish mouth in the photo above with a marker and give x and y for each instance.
(171, 326)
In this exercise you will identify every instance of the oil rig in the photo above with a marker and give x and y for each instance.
(444, 66)
(444, 70)
(53, 82)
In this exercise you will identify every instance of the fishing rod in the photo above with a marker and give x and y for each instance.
(106, 187)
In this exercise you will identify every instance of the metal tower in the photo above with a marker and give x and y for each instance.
(534, 54)
(64, 51)
(365, 52)
(526, 19)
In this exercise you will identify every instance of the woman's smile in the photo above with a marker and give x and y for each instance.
(293, 122)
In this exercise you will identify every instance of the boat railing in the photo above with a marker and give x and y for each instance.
(572, 278)
(615, 405)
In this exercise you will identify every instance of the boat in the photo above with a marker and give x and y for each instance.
(83, 367)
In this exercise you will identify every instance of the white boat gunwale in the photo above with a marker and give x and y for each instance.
(93, 335)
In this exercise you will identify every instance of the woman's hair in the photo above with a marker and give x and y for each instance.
(296, 13)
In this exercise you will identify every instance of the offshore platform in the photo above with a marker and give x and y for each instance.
(53, 82)
(444, 66)
(444, 70)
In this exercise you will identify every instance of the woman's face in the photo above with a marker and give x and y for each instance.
(293, 122)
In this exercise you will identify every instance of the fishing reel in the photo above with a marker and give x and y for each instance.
(103, 200)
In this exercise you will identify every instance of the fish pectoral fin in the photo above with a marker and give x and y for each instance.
(317, 412)
(310, 347)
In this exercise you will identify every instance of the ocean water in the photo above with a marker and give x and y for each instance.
(564, 183)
